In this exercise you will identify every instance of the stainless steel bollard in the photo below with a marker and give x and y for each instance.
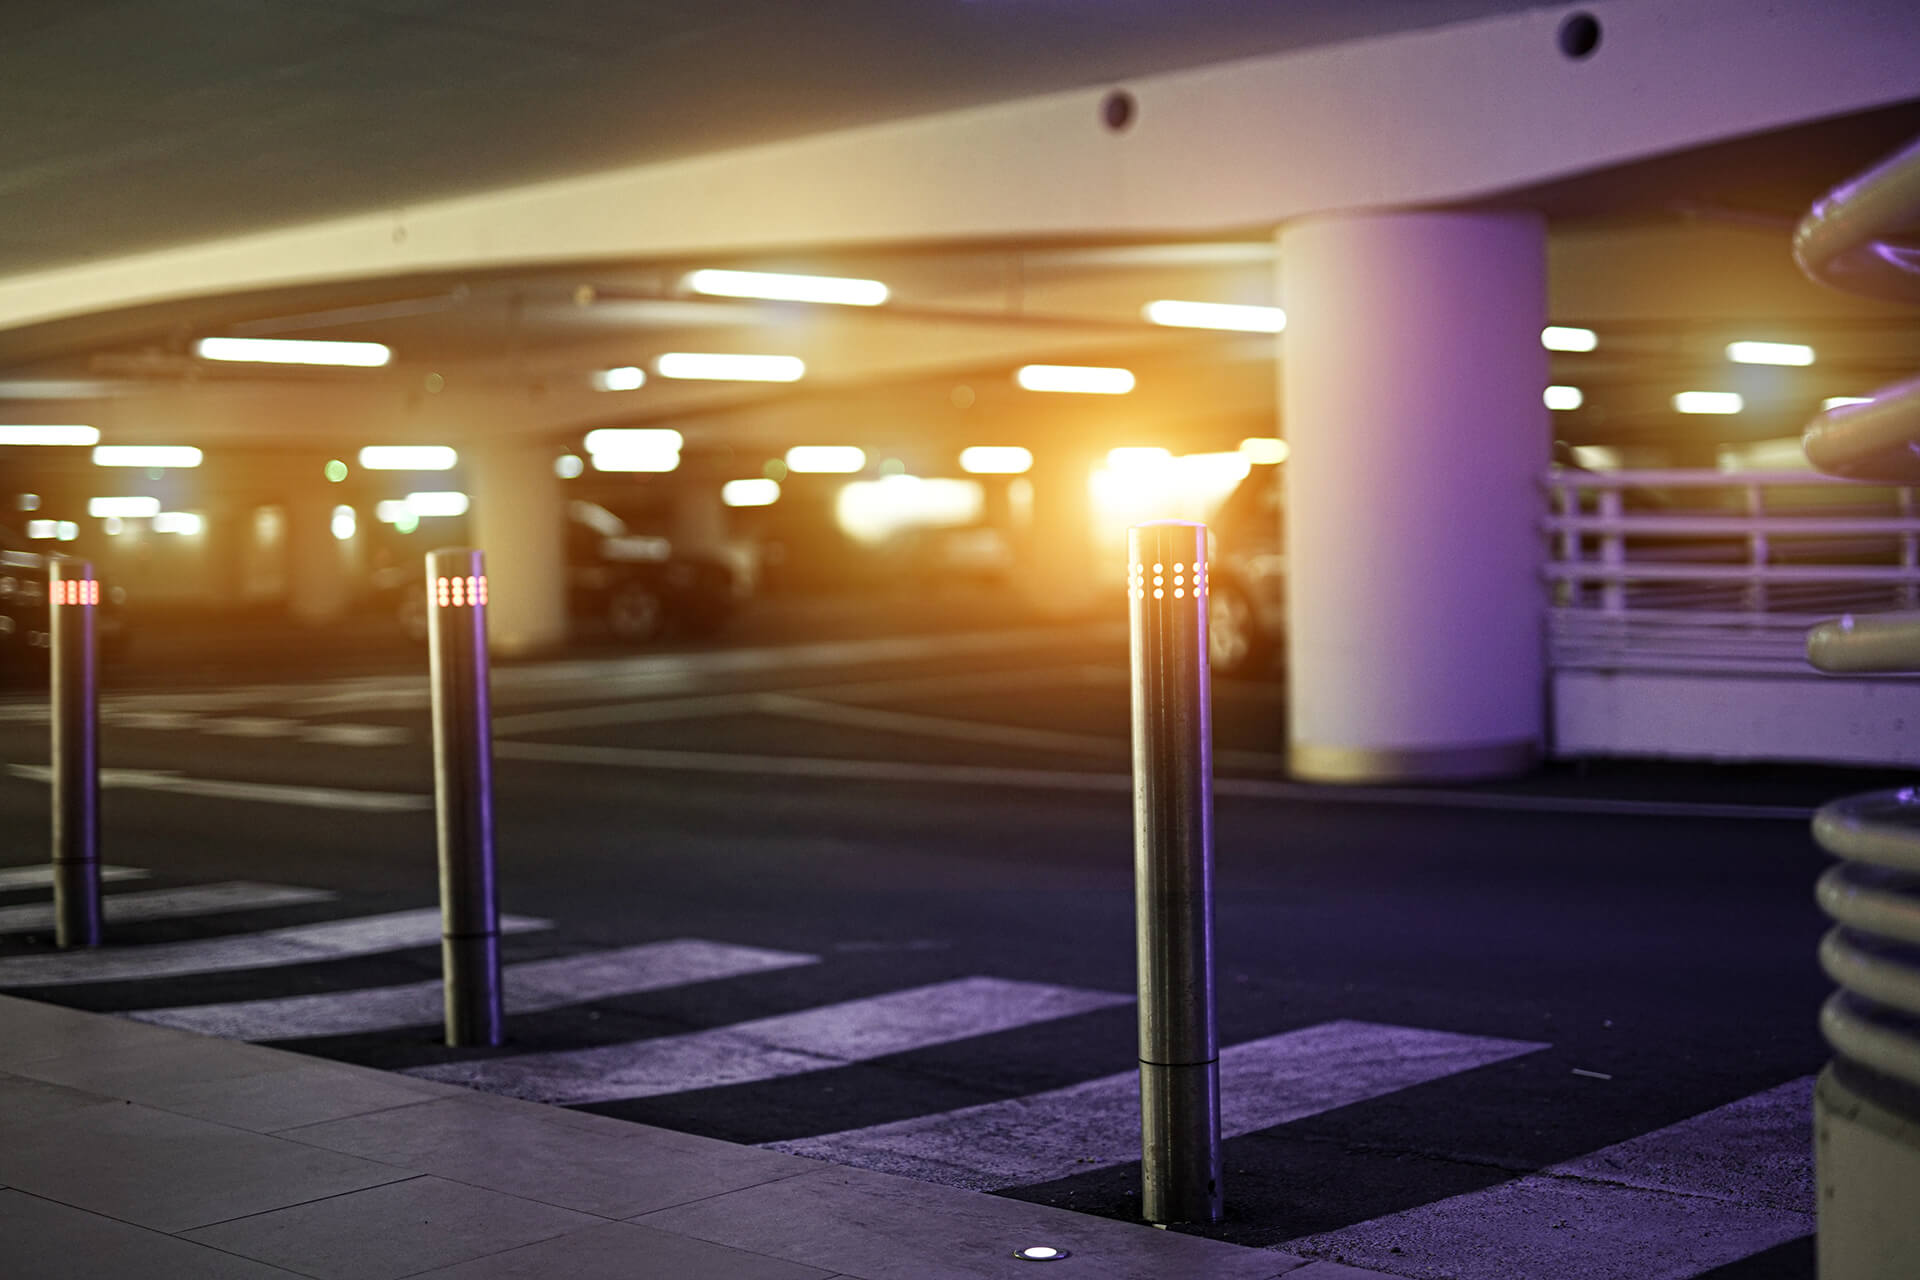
(73, 599)
(1173, 873)
(463, 795)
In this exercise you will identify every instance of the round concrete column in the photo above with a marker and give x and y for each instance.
(318, 588)
(519, 522)
(1411, 392)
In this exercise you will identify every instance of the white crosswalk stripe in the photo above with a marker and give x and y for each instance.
(297, 944)
(170, 904)
(40, 876)
(769, 1048)
(1044, 1136)
(529, 988)
(1667, 1205)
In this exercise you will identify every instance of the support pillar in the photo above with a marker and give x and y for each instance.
(519, 521)
(1412, 405)
(1056, 553)
(318, 586)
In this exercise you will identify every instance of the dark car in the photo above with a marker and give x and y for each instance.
(630, 587)
(24, 619)
(1247, 601)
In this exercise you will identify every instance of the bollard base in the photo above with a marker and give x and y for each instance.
(1180, 1142)
(76, 903)
(470, 969)
(1868, 1163)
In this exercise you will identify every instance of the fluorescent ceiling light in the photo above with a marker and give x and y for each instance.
(634, 448)
(1563, 397)
(442, 503)
(750, 493)
(1709, 402)
(43, 529)
(408, 457)
(181, 522)
(1560, 337)
(716, 367)
(393, 511)
(1076, 378)
(49, 435)
(123, 508)
(627, 377)
(1215, 315)
(1835, 402)
(996, 459)
(826, 459)
(780, 287)
(1265, 449)
(1769, 353)
(146, 455)
(364, 355)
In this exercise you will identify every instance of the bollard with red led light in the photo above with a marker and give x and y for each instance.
(73, 599)
(463, 795)
(1173, 872)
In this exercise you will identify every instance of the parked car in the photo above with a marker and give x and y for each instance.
(1247, 566)
(631, 587)
(24, 619)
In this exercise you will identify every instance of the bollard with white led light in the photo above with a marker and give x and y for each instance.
(1173, 872)
(73, 600)
(463, 796)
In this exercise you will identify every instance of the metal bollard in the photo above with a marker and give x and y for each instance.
(1173, 872)
(463, 795)
(73, 598)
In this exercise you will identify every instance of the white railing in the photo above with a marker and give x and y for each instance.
(1712, 571)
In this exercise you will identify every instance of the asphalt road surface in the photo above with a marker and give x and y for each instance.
(871, 900)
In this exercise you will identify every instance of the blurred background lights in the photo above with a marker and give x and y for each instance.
(780, 287)
(344, 523)
(1783, 453)
(626, 377)
(1041, 1253)
(1077, 379)
(1561, 397)
(63, 530)
(437, 503)
(1215, 315)
(364, 355)
(826, 459)
(131, 507)
(408, 457)
(759, 492)
(1836, 402)
(634, 448)
(1267, 449)
(146, 455)
(1709, 402)
(996, 459)
(1791, 353)
(113, 526)
(1597, 457)
(184, 523)
(49, 435)
(568, 466)
(1149, 459)
(1562, 337)
(335, 470)
(717, 367)
(872, 511)
(28, 502)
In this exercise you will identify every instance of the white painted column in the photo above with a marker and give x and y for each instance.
(318, 586)
(518, 519)
(1411, 392)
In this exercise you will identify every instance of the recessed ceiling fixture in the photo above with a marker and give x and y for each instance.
(1562, 337)
(131, 508)
(996, 459)
(1769, 353)
(408, 457)
(146, 455)
(363, 355)
(1077, 379)
(719, 367)
(634, 448)
(1709, 402)
(826, 459)
(781, 287)
(750, 493)
(1215, 315)
(49, 435)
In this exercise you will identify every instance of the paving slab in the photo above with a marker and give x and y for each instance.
(300, 1091)
(390, 1231)
(627, 1251)
(50, 1241)
(144, 1071)
(25, 1101)
(35, 1032)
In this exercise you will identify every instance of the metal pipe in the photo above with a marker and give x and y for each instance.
(73, 598)
(463, 795)
(1173, 873)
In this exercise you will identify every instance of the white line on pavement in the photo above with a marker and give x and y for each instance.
(353, 735)
(1669, 1204)
(529, 988)
(1044, 1136)
(903, 722)
(248, 726)
(42, 874)
(769, 1048)
(297, 944)
(169, 904)
(263, 792)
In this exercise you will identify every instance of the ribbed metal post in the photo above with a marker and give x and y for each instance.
(1173, 873)
(463, 795)
(73, 599)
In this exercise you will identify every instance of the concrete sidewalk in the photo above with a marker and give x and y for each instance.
(135, 1150)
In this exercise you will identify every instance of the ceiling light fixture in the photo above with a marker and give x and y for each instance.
(1709, 402)
(146, 455)
(49, 435)
(1561, 337)
(1077, 379)
(1215, 315)
(826, 459)
(778, 286)
(996, 459)
(362, 355)
(1792, 353)
(719, 367)
(627, 377)
(408, 457)
(1563, 397)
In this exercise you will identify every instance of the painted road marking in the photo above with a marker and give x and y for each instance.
(529, 988)
(1669, 1204)
(353, 735)
(1044, 1136)
(903, 722)
(169, 904)
(770, 1048)
(246, 726)
(264, 792)
(1118, 783)
(41, 875)
(297, 944)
